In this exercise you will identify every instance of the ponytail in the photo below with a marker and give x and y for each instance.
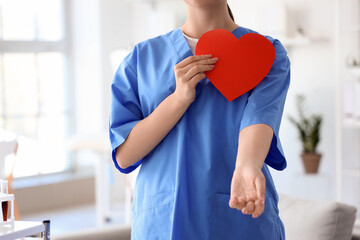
(230, 13)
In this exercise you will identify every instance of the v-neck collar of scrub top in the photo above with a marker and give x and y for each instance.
(181, 46)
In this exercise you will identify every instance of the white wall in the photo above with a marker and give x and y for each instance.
(313, 73)
(116, 32)
(87, 58)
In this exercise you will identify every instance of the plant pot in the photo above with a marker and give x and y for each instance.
(311, 162)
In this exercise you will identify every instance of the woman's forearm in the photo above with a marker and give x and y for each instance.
(149, 132)
(254, 144)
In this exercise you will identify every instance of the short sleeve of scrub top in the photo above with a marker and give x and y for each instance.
(125, 107)
(266, 101)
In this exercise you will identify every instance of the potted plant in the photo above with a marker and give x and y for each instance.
(309, 134)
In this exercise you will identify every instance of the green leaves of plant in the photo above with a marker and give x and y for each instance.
(308, 127)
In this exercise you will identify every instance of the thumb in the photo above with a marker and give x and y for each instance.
(260, 184)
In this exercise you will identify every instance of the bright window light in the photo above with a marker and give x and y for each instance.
(33, 84)
(28, 20)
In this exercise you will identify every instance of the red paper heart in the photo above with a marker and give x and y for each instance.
(243, 63)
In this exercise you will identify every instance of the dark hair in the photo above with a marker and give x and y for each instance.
(230, 13)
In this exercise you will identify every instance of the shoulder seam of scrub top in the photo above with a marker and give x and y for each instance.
(131, 67)
(136, 77)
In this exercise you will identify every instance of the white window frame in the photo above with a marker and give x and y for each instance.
(63, 46)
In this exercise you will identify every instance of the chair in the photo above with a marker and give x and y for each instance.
(316, 220)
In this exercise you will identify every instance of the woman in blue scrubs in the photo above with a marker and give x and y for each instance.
(203, 160)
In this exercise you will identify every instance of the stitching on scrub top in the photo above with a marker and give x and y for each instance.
(146, 209)
(274, 217)
(273, 204)
(175, 49)
(132, 69)
(137, 86)
(170, 202)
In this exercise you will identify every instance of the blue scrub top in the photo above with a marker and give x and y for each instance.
(182, 190)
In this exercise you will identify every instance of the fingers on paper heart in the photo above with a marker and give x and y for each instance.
(194, 80)
(197, 69)
(206, 62)
(192, 59)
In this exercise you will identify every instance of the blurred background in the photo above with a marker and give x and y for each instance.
(58, 59)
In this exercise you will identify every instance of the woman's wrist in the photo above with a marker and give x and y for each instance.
(248, 162)
(178, 102)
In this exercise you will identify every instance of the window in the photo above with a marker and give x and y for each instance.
(34, 83)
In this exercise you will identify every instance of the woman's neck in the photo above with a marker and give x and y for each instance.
(206, 18)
